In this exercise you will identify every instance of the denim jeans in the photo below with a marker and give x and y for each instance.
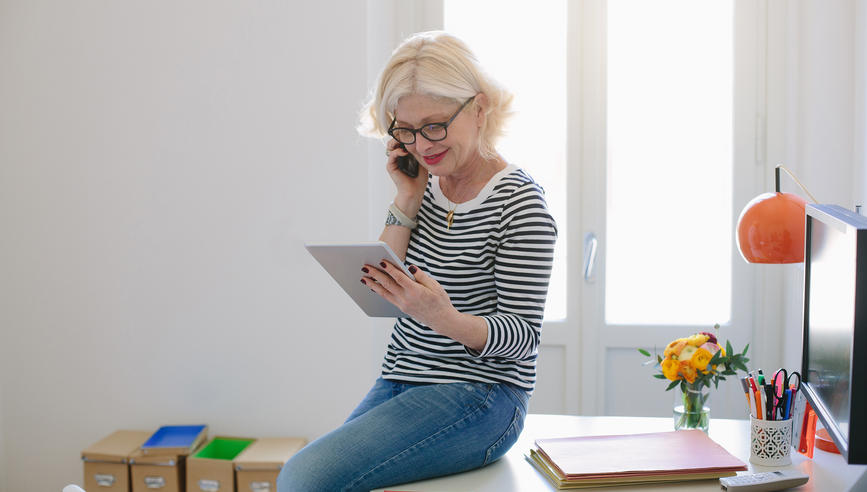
(401, 433)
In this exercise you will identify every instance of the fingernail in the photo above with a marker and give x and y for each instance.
(365, 270)
(363, 281)
(413, 269)
(382, 264)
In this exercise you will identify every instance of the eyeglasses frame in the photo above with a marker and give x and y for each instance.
(445, 126)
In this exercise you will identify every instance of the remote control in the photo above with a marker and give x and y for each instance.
(764, 482)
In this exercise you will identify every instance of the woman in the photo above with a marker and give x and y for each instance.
(476, 234)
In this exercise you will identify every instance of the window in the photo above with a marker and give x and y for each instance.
(537, 135)
(670, 99)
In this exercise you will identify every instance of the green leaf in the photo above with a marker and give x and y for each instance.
(745, 349)
(659, 376)
(715, 359)
(729, 349)
(659, 358)
(644, 352)
(672, 385)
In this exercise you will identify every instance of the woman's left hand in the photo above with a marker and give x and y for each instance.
(423, 299)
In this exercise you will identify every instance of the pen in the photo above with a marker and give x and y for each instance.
(755, 393)
(761, 396)
(746, 388)
(795, 392)
(752, 399)
(788, 404)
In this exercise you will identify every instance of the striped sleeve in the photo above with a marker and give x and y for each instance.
(522, 271)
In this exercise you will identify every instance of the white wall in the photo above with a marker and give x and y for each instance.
(161, 165)
(820, 124)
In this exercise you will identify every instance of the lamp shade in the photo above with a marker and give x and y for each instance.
(771, 229)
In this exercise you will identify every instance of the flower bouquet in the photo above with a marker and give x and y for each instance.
(693, 363)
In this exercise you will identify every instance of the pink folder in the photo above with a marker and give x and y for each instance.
(660, 453)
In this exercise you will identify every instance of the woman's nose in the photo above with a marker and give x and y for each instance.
(422, 144)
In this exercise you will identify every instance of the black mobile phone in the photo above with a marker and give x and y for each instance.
(407, 163)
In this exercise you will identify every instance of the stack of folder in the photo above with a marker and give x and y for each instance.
(608, 461)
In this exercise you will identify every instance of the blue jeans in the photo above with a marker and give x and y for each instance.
(402, 432)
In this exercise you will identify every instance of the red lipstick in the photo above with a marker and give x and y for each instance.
(434, 159)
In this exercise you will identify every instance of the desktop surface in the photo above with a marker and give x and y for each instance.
(512, 473)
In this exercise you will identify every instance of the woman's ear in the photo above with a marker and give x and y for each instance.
(481, 109)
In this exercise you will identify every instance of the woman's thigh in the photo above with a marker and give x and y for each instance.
(381, 392)
(423, 432)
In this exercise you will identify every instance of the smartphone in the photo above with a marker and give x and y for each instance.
(407, 163)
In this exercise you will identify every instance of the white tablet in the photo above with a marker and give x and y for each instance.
(343, 261)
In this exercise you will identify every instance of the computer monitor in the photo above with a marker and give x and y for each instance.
(834, 363)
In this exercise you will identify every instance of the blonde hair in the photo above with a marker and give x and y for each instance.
(438, 65)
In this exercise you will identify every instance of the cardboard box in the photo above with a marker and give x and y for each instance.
(211, 469)
(156, 473)
(257, 468)
(106, 463)
(159, 464)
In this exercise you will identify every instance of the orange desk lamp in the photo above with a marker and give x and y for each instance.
(771, 228)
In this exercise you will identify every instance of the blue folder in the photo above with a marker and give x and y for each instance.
(181, 438)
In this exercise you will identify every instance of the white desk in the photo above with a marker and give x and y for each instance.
(512, 473)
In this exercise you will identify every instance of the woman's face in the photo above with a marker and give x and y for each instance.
(444, 157)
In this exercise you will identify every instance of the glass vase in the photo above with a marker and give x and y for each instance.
(691, 406)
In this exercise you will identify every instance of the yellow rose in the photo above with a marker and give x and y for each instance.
(674, 347)
(700, 359)
(670, 369)
(697, 340)
(688, 371)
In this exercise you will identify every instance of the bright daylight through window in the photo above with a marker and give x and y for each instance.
(669, 218)
(537, 137)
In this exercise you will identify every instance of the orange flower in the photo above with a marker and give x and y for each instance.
(700, 359)
(670, 369)
(688, 371)
(674, 348)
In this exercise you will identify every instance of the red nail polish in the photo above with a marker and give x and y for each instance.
(363, 281)
(365, 270)
(382, 264)
(413, 269)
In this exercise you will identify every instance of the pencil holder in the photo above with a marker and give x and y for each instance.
(770, 442)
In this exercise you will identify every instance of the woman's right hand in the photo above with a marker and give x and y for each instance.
(410, 191)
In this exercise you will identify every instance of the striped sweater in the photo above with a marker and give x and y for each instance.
(494, 262)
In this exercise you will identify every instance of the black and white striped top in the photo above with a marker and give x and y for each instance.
(495, 262)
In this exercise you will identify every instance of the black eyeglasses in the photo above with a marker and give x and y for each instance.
(433, 131)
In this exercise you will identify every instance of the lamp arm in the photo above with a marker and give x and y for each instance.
(777, 176)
